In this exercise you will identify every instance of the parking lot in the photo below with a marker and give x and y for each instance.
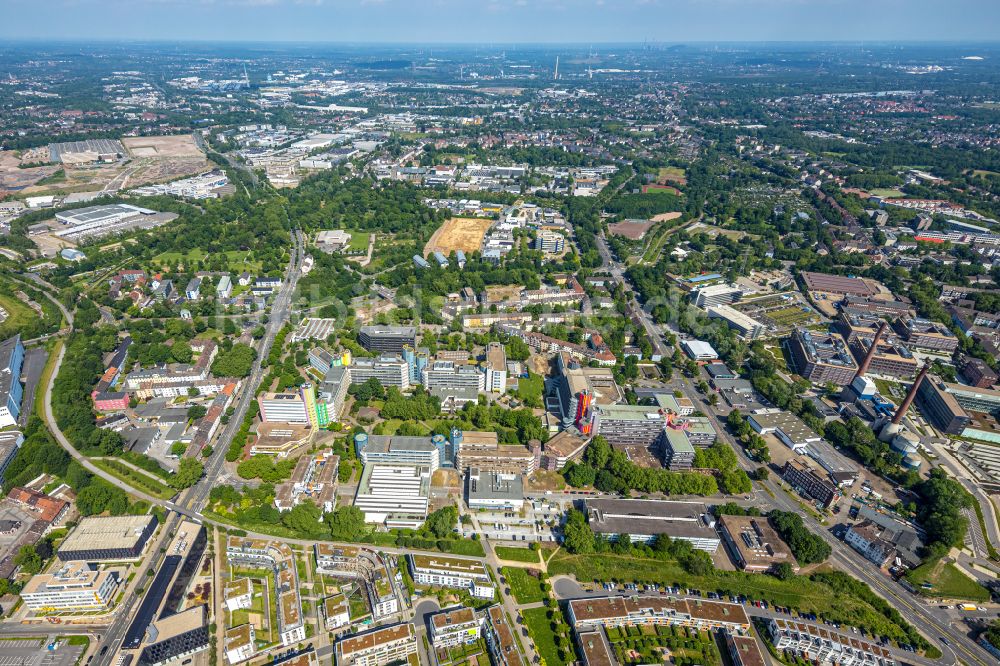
(35, 653)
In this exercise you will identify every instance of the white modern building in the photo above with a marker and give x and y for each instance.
(394, 495)
(459, 573)
(74, 587)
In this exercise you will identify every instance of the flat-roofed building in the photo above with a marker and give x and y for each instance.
(398, 450)
(175, 637)
(280, 558)
(837, 284)
(891, 358)
(700, 350)
(977, 373)
(811, 483)
(483, 451)
(716, 294)
(701, 614)
(822, 358)
(240, 643)
(336, 612)
(394, 495)
(564, 447)
(238, 594)
(941, 408)
(744, 650)
(387, 339)
(644, 520)
(288, 407)
(451, 375)
(501, 638)
(787, 427)
(926, 334)
(74, 587)
(678, 453)
(493, 490)
(594, 648)
(107, 538)
(823, 646)
(455, 626)
(748, 327)
(378, 647)
(876, 306)
(11, 391)
(984, 400)
(10, 443)
(388, 370)
(629, 424)
(456, 572)
(279, 439)
(496, 368)
(753, 544)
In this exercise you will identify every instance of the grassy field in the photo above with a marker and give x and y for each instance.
(799, 593)
(237, 261)
(359, 242)
(517, 554)
(530, 390)
(887, 193)
(18, 314)
(526, 588)
(135, 478)
(540, 628)
(947, 581)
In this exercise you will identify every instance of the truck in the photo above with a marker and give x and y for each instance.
(968, 607)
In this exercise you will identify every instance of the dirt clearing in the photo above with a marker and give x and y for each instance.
(458, 233)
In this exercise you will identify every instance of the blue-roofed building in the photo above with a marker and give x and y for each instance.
(11, 391)
(420, 261)
(492, 255)
(441, 259)
(72, 254)
(460, 258)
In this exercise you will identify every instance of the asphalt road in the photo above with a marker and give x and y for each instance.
(34, 364)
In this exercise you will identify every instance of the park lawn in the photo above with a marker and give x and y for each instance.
(530, 389)
(359, 242)
(799, 593)
(540, 629)
(947, 581)
(517, 554)
(526, 588)
(133, 477)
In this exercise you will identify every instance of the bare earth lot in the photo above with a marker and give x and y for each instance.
(458, 233)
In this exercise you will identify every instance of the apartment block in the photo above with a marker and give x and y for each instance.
(459, 573)
(454, 627)
(377, 647)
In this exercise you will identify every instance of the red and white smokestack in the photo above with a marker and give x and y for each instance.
(863, 368)
(911, 394)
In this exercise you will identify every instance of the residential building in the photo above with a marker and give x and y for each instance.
(98, 538)
(501, 638)
(701, 614)
(881, 539)
(280, 559)
(744, 650)
(455, 626)
(563, 447)
(75, 587)
(193, 290)
(820, 645)
(336, 612)
(240, 643)
(753, 544)
(238, 594)
(224, 289)
(550, 242)
(378, 647)
(456, 572)
(11, 391)
(644, 520)
(821, 358)
(387, 339)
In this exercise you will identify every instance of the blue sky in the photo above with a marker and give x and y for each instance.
(507, 21)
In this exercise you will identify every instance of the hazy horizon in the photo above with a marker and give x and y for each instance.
(535, 22)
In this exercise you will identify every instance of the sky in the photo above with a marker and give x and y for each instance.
(501, 21)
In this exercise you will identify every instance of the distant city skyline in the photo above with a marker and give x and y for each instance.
(502, 21)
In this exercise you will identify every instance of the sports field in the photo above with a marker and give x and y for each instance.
(458, 233)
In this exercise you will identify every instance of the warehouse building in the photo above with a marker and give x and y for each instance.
(11, 391)
(99, 219)
(748, 327)
(836, 284)
(644, 520)
(98, 538)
